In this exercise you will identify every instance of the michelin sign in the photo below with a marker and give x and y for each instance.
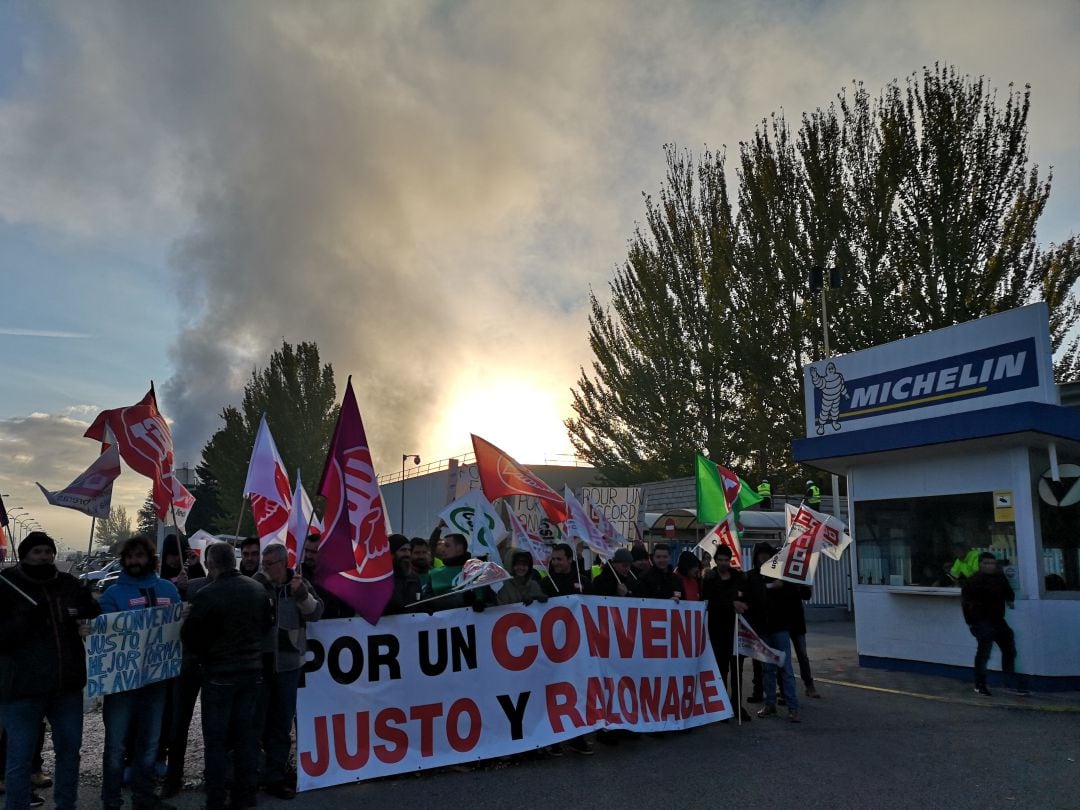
(992, 361)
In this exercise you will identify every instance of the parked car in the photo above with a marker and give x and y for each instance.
(94, 577)
(106, 581)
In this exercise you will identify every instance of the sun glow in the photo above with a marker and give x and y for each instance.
(517, 415)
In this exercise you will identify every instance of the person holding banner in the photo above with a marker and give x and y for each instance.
(135, 714)
(406, 583)
(225, 630)
(564, 577)
(295, 604)
(659, 582)
(453, 551)
(42, 667)
(615, 578)
(522, 587)
(724, 590)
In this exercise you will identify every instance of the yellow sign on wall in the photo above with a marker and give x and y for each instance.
(1003, 506)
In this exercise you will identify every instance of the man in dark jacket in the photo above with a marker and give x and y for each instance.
(724, 590)
(564, 577)
(983, 599)
(225, 630)
(775, 607)
(659, 581)
(42, 667)
(133, 718)
(614, 578)
(406, 583)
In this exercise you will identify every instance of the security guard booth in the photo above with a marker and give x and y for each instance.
(955, 441)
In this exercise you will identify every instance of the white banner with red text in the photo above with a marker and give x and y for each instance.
(419, 691)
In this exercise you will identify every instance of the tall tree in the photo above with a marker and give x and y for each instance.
(113, 529)
(923, 196)
(147, 517)
(297, 394)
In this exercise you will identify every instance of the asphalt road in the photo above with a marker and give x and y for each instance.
(928, 743)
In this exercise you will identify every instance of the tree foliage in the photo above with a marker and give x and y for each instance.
(146, 518)
(922, 195)
(298, 395)
(113, 529)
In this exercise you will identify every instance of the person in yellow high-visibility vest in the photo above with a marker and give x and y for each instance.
(764, 491)
(813, 495)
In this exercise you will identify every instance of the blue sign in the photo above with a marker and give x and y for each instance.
(984, 372)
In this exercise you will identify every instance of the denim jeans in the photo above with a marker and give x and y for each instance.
(228, 718)
(798, 641)
(988, 634)
(782, 642)
(277, 707)
(22, 720)
(135, 714)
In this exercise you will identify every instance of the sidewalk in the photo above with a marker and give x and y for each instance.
(835, 661)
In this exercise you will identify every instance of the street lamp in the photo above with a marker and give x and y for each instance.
(415, 460)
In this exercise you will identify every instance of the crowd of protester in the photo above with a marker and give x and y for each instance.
(244, 642)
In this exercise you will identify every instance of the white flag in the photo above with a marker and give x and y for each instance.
(199, 541)
(301, 519)
(724, 533)
(579, 527)
(91, 492)
(182, 504)
(478, 573)
(521, 539)
(268, 487)
(751, 646)
(473, 516)
(607, 528)
(809, 533)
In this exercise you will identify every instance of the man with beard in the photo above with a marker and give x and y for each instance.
(563, 578)
(406, 583)
(135, 714)
(42, 667)
(295, 604)
(250, 552)
(421, 559)
(333, 607)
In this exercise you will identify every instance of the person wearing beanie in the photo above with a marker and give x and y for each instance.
(522, 587)
(688, 570)
(295, 604)
(42, 667)
(615, 579)
(133, 718)
(406, 583)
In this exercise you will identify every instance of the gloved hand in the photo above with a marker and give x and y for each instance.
(479, 607)
(527, 601)
(541, 599)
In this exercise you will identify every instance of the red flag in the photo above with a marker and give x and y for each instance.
(145, 444)
(732, 484)
(355, 563)
(500, 476)
(268, 487)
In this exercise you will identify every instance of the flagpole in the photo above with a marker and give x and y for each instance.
(303, 541)
(738, 668)
(240, 519)
(90, 548)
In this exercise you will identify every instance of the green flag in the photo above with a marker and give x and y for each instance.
(746, 498)
(712, 506)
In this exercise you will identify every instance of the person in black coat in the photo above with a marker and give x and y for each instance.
(42, 666)
(724, 591)
(983, 599)
(614, 578)
(564, 577)
(659, 582)
(225, 630)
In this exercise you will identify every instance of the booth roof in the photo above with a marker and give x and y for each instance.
(1021, 424)
(686, 520)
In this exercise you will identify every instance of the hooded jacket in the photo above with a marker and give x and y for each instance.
(131, 593)
(41, 652)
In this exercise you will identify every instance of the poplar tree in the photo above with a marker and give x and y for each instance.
(923, 196)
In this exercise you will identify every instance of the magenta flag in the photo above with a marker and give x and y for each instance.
(354, 563)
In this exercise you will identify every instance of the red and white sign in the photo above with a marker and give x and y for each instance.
(423, 691)
(669, 528)
(724, 533)
(809, 532)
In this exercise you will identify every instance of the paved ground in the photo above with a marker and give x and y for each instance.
(877, 739)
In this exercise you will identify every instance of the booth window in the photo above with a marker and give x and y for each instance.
(1060, 546)
(914, 541)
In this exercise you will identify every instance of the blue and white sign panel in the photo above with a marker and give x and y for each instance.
(997, 360)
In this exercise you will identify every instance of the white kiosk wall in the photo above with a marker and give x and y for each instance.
(959, 415)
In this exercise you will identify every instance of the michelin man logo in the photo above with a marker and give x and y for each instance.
(831, 385)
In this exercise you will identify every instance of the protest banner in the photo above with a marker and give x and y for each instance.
(132, 648)
(421, 691)
(620, 505)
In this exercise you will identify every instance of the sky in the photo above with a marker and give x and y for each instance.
(428, 190)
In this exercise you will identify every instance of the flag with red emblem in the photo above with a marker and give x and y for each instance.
(355, 563)
(267, 486)
(500, 476)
